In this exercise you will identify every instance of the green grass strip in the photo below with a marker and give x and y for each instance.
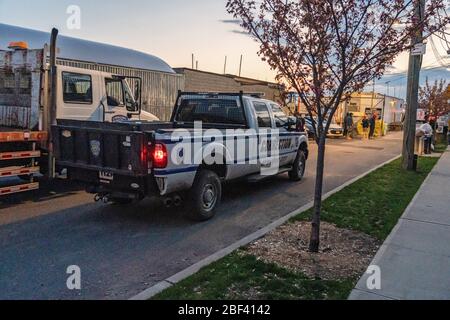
(371, 205)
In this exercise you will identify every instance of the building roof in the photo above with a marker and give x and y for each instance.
(242, 80)
(83, 50)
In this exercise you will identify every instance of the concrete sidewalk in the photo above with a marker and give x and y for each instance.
(415, 258)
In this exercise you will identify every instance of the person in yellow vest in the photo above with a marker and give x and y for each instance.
(366, 127)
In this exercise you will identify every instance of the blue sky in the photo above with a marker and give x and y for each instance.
(170, 29)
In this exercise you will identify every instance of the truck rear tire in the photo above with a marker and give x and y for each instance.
(205, 196)
(298, 169)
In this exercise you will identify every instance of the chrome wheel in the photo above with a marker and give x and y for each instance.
(209, 197)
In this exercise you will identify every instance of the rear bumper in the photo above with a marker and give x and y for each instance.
(95, 182)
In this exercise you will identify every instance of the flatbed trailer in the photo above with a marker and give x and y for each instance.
(19, 160)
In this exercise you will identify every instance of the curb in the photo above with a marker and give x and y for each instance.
(169, 282)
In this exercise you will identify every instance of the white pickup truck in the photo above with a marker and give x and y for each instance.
(211, 138)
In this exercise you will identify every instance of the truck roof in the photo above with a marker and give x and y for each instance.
(84, 50)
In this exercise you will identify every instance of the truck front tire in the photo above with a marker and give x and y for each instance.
(205, 196)
(299, 166)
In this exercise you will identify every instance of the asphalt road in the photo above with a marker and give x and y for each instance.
(123, 250)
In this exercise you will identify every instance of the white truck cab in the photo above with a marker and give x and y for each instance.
(98, 96)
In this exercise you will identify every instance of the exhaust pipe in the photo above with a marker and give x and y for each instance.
(177, 201)
(101, 198)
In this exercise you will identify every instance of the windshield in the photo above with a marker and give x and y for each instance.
(129, 96)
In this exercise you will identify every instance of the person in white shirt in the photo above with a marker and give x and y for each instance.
(428, 135)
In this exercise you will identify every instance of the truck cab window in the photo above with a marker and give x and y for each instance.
(114, 92)
(218, 111)
(77, 88)
(263, 115)
(280, 117)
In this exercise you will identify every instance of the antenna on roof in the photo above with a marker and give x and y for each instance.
(240, 66)
(225, 66)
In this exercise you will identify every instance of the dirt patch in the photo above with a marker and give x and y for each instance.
(344, 253)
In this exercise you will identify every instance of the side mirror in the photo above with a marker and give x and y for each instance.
(292, 122)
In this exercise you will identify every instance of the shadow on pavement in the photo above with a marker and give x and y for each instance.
(48, 190)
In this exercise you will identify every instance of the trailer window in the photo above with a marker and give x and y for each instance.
(212, 111)
(77, 88)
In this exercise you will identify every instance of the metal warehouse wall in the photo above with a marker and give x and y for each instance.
(159, 89)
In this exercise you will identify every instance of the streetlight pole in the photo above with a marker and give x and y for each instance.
(415, 64)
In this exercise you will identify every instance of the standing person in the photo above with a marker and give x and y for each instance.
(300, 123)
(448, 128)
(366, 126)
(349, 126)
(344, 124)
(427, 130)
(445, 131)
(372, 123)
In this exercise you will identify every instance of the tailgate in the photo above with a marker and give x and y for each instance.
(101, 149)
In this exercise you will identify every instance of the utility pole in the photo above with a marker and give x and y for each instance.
(373, 95)
(412, 93)
(192, 61)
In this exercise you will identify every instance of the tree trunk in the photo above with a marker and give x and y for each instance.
(315, 229)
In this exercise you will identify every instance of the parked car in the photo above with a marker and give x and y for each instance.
(122, 162)
(335, 130)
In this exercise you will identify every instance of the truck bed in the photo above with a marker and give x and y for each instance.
(114, 147)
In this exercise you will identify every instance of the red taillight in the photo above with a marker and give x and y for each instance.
(144, 156)
(159, 155)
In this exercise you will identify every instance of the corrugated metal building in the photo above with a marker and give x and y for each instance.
(160, 83)
(203, 81)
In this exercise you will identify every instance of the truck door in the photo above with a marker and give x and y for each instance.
(288, 141)
(265, 139)
(79, 96)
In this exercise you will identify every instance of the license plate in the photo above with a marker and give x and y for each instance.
(106, 176)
